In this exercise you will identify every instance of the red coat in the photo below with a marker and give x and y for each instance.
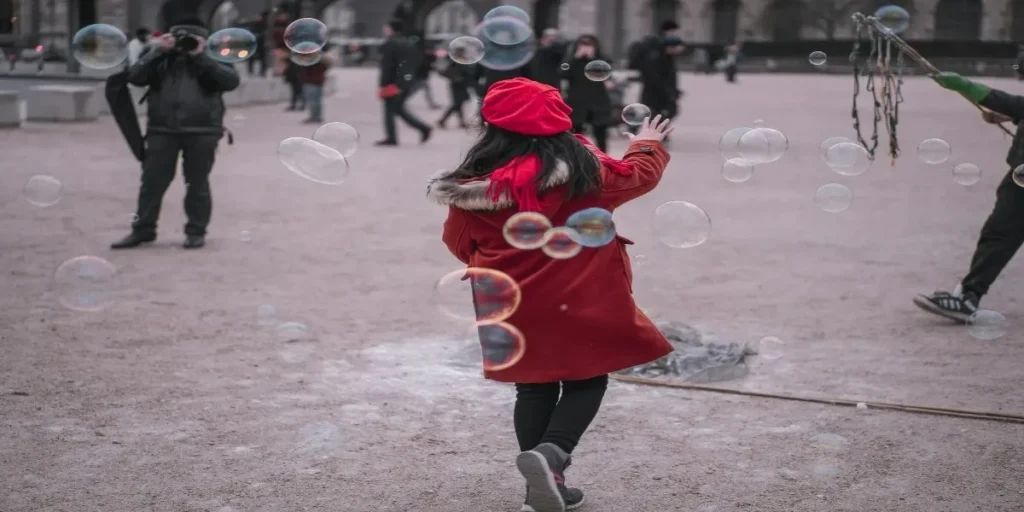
(601, 330)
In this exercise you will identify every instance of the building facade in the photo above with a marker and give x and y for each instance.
(617, 21)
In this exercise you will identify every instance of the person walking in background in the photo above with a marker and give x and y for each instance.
(1003, 232)
(657, 66)
(399, 59)
(313, 79)
(547, 59)
(421, 79)
(460, 79)
(731, 62)
(1019, 64)
(590, 102)
(293, 77)
(259, 58)
(137, 44)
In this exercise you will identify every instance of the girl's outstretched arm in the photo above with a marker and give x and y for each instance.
(456, 235)
(648, 158)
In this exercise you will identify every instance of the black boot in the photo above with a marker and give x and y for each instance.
(132, 240)
(194, 241)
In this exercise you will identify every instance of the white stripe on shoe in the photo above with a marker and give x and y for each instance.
(544, 495)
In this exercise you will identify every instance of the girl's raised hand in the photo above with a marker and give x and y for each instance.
(653, 129)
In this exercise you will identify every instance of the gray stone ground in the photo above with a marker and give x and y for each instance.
(177, 399)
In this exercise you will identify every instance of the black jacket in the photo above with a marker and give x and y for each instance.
(1012, 106)
(589, 99)
(545, 64)
(400, 58)
(658, 75)
(184, 91)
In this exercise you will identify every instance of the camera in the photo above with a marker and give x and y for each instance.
(184, 41)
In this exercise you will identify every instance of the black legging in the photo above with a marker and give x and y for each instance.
(540, 417)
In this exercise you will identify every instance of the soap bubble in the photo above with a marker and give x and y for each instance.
(635, 113)
(934, 151)
(100, 46)
(85, 283)
(43, 191)
(681, 225)
(306, 59)
(894, 18)
(827, 145)
(245, 236)
(342, 137)
(510, 11)
(987, 325)
(526, 230)
(762, 145)
(231, 45)
(504, 30)
(729, 144)
(501, 344)
(848, 159)
(966, 174)
(505, 57)
(466, 50)
(305, 35)
(597, 70)
(480, 295)
(290, 332)
(313, 160)
(1018, 175)
(833, 197)
(817, 58)
(564, 66)
(737, 170)
(562, 243)
(594, 226)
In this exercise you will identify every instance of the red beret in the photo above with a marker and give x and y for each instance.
(523, 106)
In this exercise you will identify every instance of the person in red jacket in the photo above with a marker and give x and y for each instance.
(577, 315)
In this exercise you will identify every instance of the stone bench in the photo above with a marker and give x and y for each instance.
(12, 110)
(63, 103)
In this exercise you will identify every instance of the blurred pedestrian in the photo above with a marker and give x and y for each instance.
(657, 66)
(421, 78)
(399, 58)
(591, 104)
(731, 62)
(460, 80)
(137, 44)
(548, 58)
(313, 79)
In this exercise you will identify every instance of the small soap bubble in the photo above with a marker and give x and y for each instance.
(306, 59)
(290, 332)
(134, 218)
(477, 295)
(231, 45)
(1018, 175)
(834, 197)
(407, 77)
(305, 35)
(894, 18)
(466, 50)
(100, 46)
(594, 226)
(987, 325)
(817, 58)
(966, 174)
(848, 158)
(313, 160)
(43, 191)
(729, 144)
(762, 145)
(597, 70)
(681, 225)
(526, 230)
(245, 236)
(562, 243)
(934, 151)
(501, 344)
(85, 283)
(564, 66)
(635, 113)
(342, 137)
(737, 170)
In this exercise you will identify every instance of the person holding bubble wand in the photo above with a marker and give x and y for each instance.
(577, 315)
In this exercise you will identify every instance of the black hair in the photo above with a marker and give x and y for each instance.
(142, 32)
(498, 147)
(669, 25)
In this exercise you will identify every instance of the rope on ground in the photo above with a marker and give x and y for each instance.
(935, 411)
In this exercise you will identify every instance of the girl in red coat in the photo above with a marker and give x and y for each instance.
(577, 315)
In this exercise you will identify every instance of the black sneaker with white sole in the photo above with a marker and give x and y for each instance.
(573, 499)
(959, 306)
(543, 468)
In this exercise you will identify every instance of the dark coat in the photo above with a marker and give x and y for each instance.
(544, 67)
(460, 80)
(578, 315)
(1012, 106)
(658, 75)
(486, 77)
(590, 101)
(399, 59)
(184, 91)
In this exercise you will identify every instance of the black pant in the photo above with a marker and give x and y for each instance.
(258, 59)
(298, 98)
(1001, 236)
(540, 417)
(730, 73)
(459, 96)
(197, 156)
(395, 106)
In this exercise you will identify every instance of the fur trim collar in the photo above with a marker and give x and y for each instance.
(472, 195)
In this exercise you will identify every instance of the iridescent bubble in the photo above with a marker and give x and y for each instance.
(291, 332)
(635, 113)
(827, 145)
(737, 170)
(501, 344)
(987, 325)
(848, 158)
(43, 191)
(894, 18)
(597, 70)
(85, 283)
(313, 160)
(1018, 175)
(681, 225)
(505, 57)
(762, 145)
(594, 226)
(342, 137)
(562, 243)
(231, 45)
(100, 46)
(480, 295)
(833, 197)
(504, 30)
(306, 59)
(817, 58)
(729, 144)
(526, 230)
(966, 174)
(934, 151)
(305, 35)
(466, 50)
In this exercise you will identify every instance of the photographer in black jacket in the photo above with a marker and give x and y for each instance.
(185, 115)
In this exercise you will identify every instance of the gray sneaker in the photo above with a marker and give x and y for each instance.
(543, 468)
(954, 306)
